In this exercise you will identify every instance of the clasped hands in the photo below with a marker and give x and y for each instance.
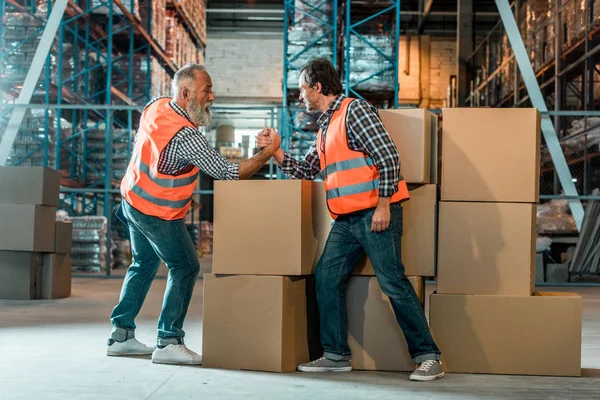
(268, 140)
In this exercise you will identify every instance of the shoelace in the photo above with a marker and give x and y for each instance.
(185, 350)
(426, 365)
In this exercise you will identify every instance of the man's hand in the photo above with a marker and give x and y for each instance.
(381, 216)
(263, 139)
(275, 141)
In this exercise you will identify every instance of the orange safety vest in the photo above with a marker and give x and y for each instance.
(143, 187)
(350, 177)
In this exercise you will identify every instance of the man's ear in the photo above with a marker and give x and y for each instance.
(319, 87)
(185, 92)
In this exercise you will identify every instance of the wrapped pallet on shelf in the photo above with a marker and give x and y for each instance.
(307, 30)
(196, 12)
(156, 16)
(96, 153)
(544, 33)
(365, 61)
(99, 7)
(568, 20)
(596, 8)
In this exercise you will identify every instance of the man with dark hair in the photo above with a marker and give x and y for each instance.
(157, 192)
(360, 168)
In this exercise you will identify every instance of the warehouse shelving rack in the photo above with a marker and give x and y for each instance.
(96, 43)
(321, 17)
(360, 16)
(566, 79)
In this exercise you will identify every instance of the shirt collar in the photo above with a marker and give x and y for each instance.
(334, 106)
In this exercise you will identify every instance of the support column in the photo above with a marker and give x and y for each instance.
(465, 47)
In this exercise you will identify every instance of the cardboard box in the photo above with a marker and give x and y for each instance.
(30, 185)
(535, 335)
(491, 154)
(20, 275)
(254, 323)
(27, 228)
(486, 248)
(56, 276)
(419, 237)
(374, 336)
(64, 237)
(276, 227)
(414, 131)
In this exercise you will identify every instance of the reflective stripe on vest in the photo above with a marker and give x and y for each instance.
(346, 165)
(166, 183)
(352, 189)
(155, 200)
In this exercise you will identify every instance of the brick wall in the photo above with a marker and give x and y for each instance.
(246, 68)
(425, 66)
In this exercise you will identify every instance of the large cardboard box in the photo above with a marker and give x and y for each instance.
(491, 154)
(414, 131)
(27, 228)
(376, 340)
(486, 248)
(30, 185)
(512, 335)
(64, 237)
(56, 276)
(254, 322)
(20, 275)
(276, 227)
(419, 237)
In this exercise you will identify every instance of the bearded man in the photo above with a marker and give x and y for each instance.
(157, 191)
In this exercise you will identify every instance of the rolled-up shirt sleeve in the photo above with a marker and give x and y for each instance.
(308, 169)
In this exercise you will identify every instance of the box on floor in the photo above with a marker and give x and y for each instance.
(491, 154)
(376, 340)
(419, 236)
(27, 228)
(63, 237)
(254, 322)
(512, 335)
(276, 227)
(56, 276)
(486, 248)
(20, 275)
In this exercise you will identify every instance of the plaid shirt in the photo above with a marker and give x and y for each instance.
(189, 148)
(366, 134)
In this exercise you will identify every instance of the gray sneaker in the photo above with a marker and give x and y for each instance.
(325, 365)
(429, 370)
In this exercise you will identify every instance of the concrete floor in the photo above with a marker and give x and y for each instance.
(55, 350)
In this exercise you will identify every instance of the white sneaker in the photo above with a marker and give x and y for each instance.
(131, 347)
(176, 354)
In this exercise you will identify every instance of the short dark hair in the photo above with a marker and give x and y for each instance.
(322, 71)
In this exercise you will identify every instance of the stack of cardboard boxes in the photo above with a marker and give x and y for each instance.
(485, 315)
(259, 306)
(268, 237)
(34, 247)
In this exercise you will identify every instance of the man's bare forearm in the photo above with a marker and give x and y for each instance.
(384, 202)
(252, 165)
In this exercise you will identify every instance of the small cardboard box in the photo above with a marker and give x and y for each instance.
(414, 131)
(56, 276)
(508, 335)
(27, 228)
(254, 322)
(30, 185)
(491, 154)
(20, 275)
(64, 237)
(486, 248)
(374, 336)
(276, 227)
(419, 237)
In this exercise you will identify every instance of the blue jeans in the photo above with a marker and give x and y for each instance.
(350, 238)
(154, 239)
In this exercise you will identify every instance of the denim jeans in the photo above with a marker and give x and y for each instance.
(154, 239)
(350, 238)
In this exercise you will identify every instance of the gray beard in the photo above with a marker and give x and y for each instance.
(198, 114)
